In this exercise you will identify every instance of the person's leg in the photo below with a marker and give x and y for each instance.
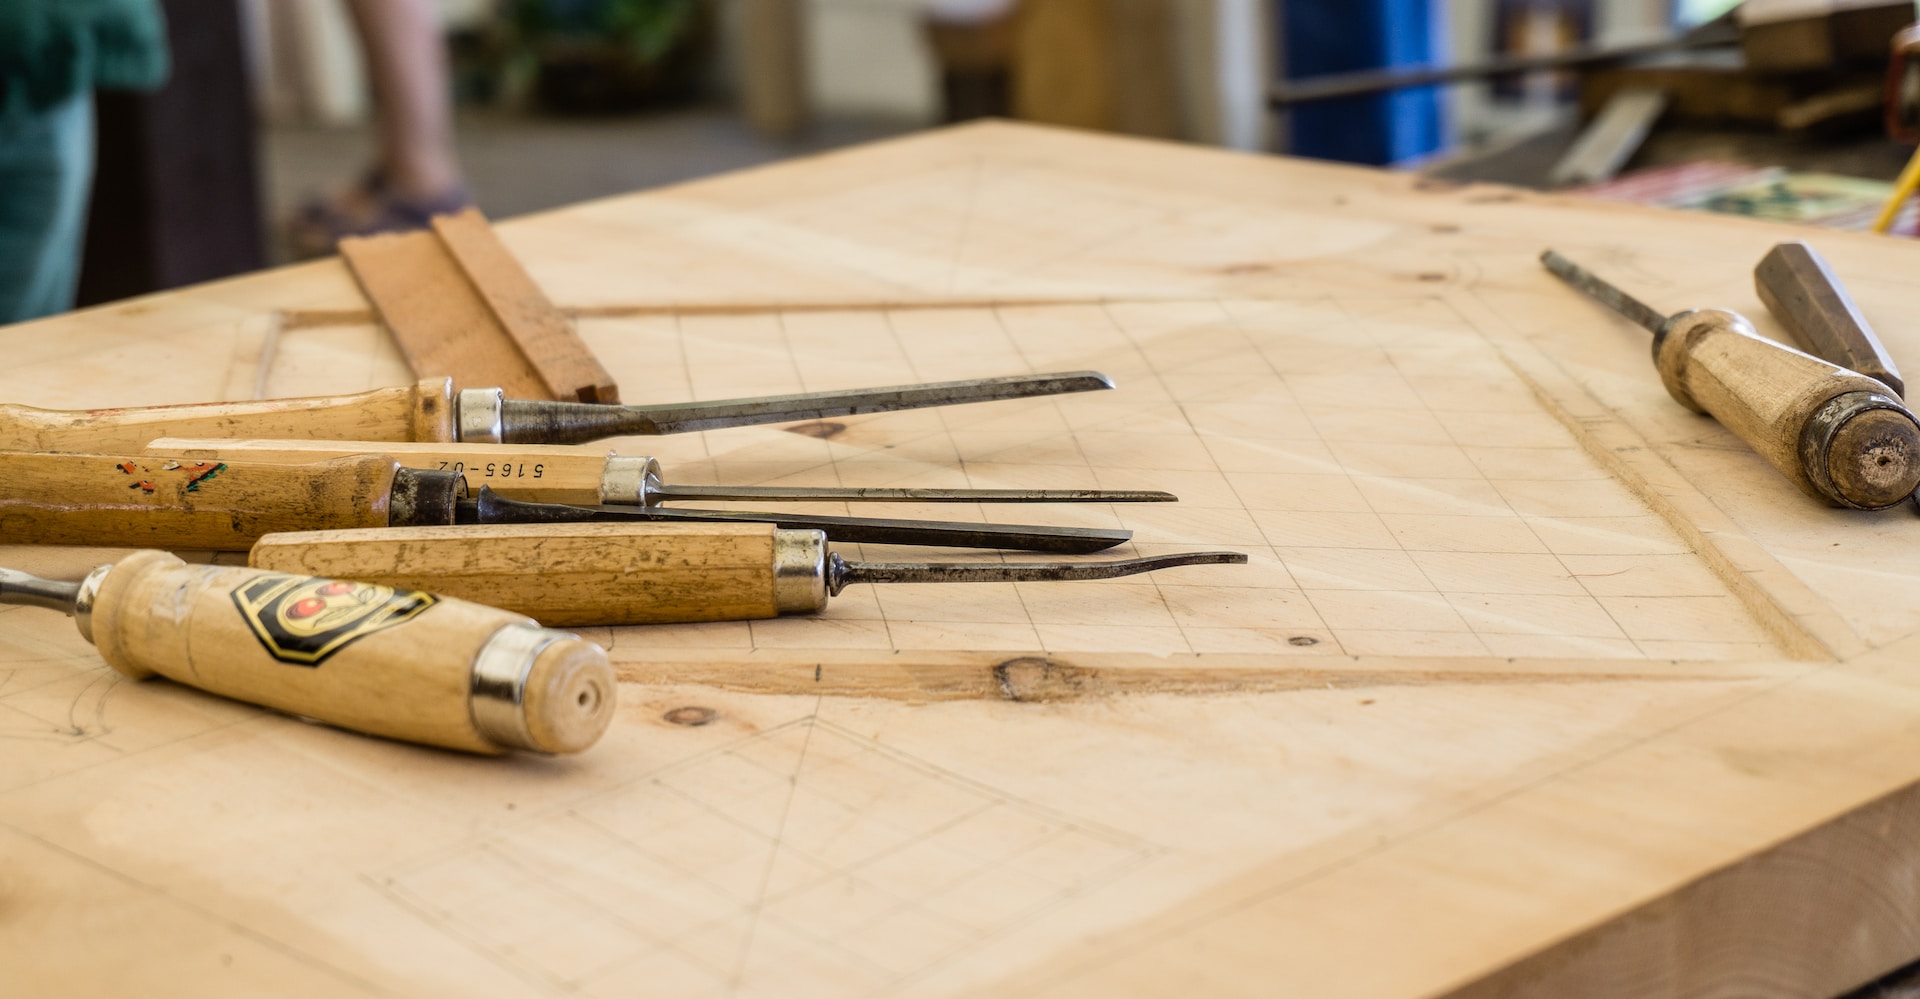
(406, 56)
(46, 173)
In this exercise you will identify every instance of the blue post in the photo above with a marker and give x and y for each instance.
(1342, 36)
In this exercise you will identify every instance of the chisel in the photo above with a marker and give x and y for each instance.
(388, 661)
(611, 574)
(106, 500)
(432, 411)
(561, 474)
(1837, 434)
(1804, 295)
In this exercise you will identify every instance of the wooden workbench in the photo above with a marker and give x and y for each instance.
(1537, 683)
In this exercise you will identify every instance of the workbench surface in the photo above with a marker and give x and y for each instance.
(1537, 682)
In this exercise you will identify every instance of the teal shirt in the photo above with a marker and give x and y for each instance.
(51, 50)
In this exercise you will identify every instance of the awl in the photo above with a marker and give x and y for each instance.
(142, 502)
(1837, 434)
(432, 411)
(389, 661)
(560, 474)
(606, 574)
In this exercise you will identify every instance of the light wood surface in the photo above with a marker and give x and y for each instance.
(1538, 682)
(558, 574)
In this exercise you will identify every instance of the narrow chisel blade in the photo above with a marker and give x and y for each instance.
(537, 422)
(488, 508)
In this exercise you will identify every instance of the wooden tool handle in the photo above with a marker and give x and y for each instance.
(382, 660)
(545, 473)
(107, 500)
(420, 412)
(1835, 432)
(569, 574)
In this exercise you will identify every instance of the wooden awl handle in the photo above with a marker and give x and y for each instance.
(579, 574)
(1835, 432)
(378, 659)
(420, 412)
(140, 502)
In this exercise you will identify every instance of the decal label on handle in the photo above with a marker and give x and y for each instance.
(303, 620)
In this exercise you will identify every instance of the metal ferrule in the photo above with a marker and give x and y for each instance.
(84, 600)
(630, 480)
(498, 701)
(479, 413)
(1816, 439)
(799, 571)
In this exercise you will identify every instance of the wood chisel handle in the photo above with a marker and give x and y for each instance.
(1807, 298)
(578, 574)
(548, 473)
(140, 502)
(421, 412)
(378, 659)
(1836, 433)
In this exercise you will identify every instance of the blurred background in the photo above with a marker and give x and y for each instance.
(286, 123)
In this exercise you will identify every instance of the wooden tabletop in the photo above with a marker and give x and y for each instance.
(1536, 683)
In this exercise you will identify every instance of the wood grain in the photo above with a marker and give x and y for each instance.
(420, 412)
(1589, 699)
(557, 574)
(545, 337)
(548, 473)
(141, 502)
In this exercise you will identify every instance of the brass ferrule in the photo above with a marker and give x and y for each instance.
(799, 571)
(481, 416)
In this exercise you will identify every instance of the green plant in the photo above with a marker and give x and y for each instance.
(648, 30)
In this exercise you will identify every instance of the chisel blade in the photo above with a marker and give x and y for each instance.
(842, 574)
(488, 508)
(537, 422)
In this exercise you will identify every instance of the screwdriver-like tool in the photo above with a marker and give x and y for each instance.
(431, 411)
(559, 474)
(1801, 291)
(1837, 434)
(105, 500)
(384, 660)
(607, 574)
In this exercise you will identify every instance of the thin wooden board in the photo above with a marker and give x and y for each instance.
(459, 305)
(1040, 799)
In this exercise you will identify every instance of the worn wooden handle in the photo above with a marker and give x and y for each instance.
(107, 500)
(559, 574)
(420, 412)
(546, 473)
(376, 659)
(1836, 433)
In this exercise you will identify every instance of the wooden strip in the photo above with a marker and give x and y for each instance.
(443, 326)
(544, 336)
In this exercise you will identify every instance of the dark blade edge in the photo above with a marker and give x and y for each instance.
(489, 508)
(859, 494)
(841, 573)
(533, 422)
(1603, 292)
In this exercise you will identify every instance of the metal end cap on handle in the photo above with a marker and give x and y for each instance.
(630, 479)
(1862, 450)
(541, 690)
(480, 416)
(799, 571)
